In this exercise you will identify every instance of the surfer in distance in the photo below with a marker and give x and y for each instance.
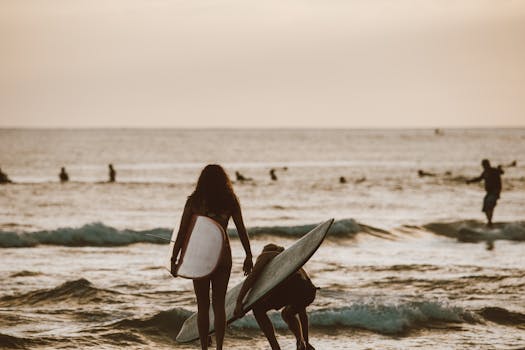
(63, 176)
(293, 295)
(112, 173)
(492, 179)
(215, 198)
(241, 178)
(272, 175)
(4, 179)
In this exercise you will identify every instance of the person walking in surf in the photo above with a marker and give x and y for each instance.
(492, 179)
(213, 197)
(112, 173)
(293, 295)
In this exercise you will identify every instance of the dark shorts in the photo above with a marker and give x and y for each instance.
(296, 292)
(489, 202)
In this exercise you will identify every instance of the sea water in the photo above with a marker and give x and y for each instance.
(79, 270)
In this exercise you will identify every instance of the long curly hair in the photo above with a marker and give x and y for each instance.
(214, 190)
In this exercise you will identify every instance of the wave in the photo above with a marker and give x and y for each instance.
(12, 342)
(100, 235)
(477, 231)
(344, 227)
(94, 234)
(379, 318)
(25, 273)
(164, 323)
(502, 316)
(77, 290)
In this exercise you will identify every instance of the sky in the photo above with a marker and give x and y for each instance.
(271, 63)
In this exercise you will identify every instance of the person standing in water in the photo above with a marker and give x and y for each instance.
(272, 175)
(63, 176)
(213, 197)
(294, 294)
(112, 173)
(492, 178)
(4, 179)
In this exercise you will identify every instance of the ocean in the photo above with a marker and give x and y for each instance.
(79, 268)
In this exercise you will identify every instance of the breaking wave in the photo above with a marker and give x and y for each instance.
(95, 234)
(380, 318)
(100, 235)
(476, 231)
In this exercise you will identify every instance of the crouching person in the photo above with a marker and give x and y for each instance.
(292, 295)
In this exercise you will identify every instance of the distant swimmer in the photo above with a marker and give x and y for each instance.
(423, 173)
(342, 180)
(293, 295)
(492, 178)
(112, 173)
(240, 177)
(4, 179)
(64, 177)
(272, 175)
(360, 180)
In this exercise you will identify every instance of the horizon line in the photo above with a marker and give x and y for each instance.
(276, 128)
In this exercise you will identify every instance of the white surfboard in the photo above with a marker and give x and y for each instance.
(202, 249)
(277, 270)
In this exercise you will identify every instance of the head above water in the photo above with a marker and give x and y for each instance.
(485, 163)
(214, 188)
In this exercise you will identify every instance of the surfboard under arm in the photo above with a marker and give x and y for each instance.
(277, 270)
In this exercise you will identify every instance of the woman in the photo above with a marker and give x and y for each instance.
(213, 197)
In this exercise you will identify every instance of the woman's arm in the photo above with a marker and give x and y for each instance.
(243, 236)
(181, 234)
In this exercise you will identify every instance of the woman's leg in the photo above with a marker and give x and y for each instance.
(219, 285)
(202, 291)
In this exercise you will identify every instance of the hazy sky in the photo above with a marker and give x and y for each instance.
(269, 63)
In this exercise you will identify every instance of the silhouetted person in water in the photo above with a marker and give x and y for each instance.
(423, 173)
(4, 179)
(360, 180)
(272, 175)
(492, 178)
(294, 294)
(112, 173)
(64, 177)
(240, 177)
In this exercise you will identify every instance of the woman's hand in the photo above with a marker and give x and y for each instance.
(248, 265)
